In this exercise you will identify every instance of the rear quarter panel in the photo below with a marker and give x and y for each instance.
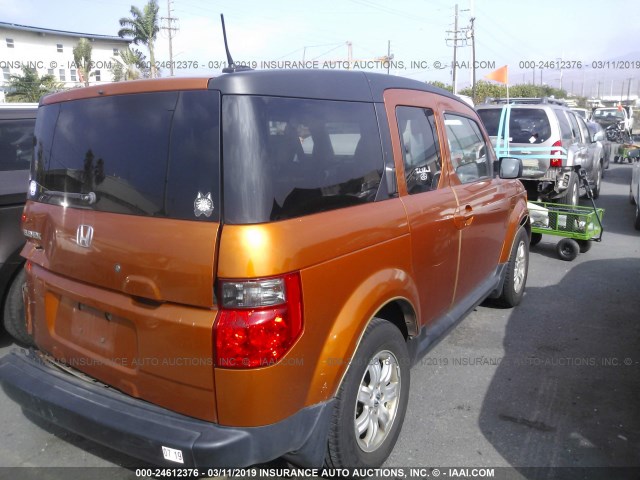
(352, 261)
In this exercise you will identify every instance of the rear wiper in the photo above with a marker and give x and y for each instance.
(89, 198)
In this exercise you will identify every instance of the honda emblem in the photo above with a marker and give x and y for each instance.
(84, 235)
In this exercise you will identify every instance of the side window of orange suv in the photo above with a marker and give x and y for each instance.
(420, 148)
(469, 152)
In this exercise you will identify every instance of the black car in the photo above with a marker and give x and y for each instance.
(16, 146)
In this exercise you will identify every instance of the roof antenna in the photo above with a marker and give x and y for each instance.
(231, 66)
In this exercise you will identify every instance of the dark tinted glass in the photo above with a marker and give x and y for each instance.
(153, 154)
(16, 144)
(420, 148)
(526, 125)
(194, 167)
(286, 157)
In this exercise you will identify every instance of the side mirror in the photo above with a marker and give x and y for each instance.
(510, 167)
(598, 137)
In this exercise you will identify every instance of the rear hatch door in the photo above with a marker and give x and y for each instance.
(521, 132)
(123, 221)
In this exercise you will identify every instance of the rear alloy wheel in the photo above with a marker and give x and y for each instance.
(517, 269)
(567, 249)
(372, 400)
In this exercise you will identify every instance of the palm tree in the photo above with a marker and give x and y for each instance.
(82, 59)
(29, 86)
(143, 26)
(129, 65)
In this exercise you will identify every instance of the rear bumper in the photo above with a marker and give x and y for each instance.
(141, 429)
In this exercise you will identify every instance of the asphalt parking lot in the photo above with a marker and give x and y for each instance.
(555, 382)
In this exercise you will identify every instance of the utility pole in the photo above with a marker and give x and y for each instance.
(456, 42)
(473, 57)
(170, 33)
(455, 50)
(629, 88)
(388, 56)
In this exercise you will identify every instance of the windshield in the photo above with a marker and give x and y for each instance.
(154, 154)
(609, 113)
(526, 125)
(287, 157)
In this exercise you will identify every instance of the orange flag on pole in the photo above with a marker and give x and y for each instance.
(500, 75)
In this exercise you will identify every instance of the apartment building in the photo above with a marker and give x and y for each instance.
(51, 52)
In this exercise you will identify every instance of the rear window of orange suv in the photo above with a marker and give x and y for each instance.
(153, 154)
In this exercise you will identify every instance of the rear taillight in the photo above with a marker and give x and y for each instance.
(556, 161)
(258, 322)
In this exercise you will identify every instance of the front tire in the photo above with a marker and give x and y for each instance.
(372, 400)
(636, 222)
(517, 269)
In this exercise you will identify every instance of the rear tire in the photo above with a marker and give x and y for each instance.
(596, 189)
(372, 400)
(572, 194)
(536, 238)
(632, 200)
(567, 249)
(517, 269)
(13, 315)
(636, 223)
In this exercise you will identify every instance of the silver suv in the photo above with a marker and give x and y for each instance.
(552, 141)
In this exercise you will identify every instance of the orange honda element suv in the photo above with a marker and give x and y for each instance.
(225, 271)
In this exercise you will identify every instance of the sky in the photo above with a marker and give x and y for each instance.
(520, 34)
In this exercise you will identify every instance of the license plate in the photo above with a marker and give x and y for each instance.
(172, 454)
(531, 163)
